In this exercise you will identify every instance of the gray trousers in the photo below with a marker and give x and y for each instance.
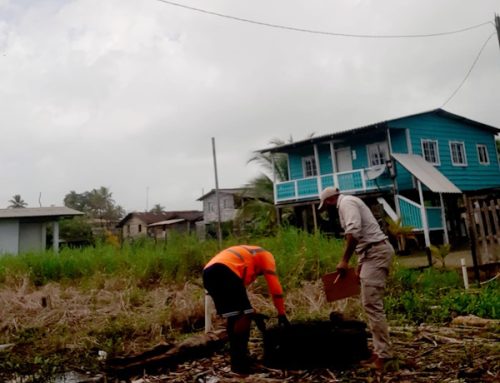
(374, 271)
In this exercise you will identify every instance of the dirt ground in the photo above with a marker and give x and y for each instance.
(458, 353)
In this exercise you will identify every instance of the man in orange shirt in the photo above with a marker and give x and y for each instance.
(225, 277)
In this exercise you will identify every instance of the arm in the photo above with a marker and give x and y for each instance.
(348, 252)
(275, 290)
(352, 226)
(268, 267)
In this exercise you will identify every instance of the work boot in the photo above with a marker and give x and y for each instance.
(375, 362)
(239, 334)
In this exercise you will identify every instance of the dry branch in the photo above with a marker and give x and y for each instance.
(168, 356)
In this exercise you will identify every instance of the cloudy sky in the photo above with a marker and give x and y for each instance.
(127, 94)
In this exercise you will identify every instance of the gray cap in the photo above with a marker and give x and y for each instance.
(328, 192)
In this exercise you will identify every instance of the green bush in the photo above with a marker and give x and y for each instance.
(437, 296)
(431, 295)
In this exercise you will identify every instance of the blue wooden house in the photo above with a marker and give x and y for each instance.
(416, 167)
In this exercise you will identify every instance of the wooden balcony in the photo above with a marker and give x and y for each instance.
(303, 189)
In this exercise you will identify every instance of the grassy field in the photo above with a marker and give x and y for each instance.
(59, 311)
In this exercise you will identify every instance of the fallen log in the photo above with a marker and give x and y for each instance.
(475, 321)
(167, 356)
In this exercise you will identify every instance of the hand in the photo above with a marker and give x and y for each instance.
(342, 268)
(260, 321)
(283, 320)
(358, 272)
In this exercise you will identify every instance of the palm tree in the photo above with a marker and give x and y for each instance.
(279, 160)
(157, 209)
(259, 211)
(400, 233)
(17, 202)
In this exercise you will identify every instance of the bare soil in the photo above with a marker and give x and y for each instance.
(59, 319)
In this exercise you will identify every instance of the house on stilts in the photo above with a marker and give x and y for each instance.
(421, 168)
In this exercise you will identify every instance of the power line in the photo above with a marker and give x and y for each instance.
(318, 32)
(470, 69)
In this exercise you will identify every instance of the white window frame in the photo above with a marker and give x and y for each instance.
(436, 148)
(377, 148)
(458, 144)
(305, 166)
(485, 148)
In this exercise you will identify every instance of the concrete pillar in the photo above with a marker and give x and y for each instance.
(55, 236)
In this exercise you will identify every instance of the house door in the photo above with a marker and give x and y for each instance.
(343, 159)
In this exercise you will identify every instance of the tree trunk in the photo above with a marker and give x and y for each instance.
(167, 356)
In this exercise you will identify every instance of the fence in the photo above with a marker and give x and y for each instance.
(486, 228)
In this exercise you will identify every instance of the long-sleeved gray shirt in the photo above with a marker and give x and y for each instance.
(358, 220)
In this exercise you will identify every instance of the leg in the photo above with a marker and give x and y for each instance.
(372, 299)
(238, 329)
(373, 275)
(231, 301)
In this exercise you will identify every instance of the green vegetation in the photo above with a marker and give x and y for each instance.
(400, 233)
(298, 256)
(60, 310)
(437, 296)
(440, 252)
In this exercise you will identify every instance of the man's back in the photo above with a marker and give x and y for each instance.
(357, 219)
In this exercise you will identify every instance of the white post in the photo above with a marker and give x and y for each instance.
(423, 214)
(208, 313)
(275, 189)
(443, 218)
(332, 154)
(464, 273)
(318, 173)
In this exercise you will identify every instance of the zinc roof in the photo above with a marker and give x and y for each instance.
(426, 173)
(28, 212)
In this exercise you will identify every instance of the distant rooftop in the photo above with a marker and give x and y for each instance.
(28, 212)
(227, 191)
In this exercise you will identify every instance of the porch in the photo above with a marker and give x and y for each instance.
(411, 215)
(353, 181)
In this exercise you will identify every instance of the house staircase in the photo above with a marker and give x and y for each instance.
(387, 208)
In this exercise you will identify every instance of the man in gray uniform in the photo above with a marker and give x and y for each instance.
(364, 236)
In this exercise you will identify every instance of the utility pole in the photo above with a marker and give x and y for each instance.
(497, 24)
(217, 198)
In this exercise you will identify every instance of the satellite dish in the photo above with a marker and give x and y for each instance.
(374, 172)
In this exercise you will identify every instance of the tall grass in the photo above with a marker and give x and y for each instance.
(413, 296)
(299, 256)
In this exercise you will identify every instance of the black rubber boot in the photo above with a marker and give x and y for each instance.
(239, 333)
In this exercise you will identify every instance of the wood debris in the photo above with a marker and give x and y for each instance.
(423, 354)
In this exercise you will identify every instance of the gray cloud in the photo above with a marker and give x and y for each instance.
(127, 94)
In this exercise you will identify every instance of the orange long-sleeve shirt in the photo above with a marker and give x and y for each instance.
(248, 262)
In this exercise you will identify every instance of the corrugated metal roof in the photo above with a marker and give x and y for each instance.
(426, 173)
(28, 212)
(225, 191)
(379, 125)
(149, 218)
(167, 222)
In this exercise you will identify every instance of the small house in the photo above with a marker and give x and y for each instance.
(25, 229)
(158, 225)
